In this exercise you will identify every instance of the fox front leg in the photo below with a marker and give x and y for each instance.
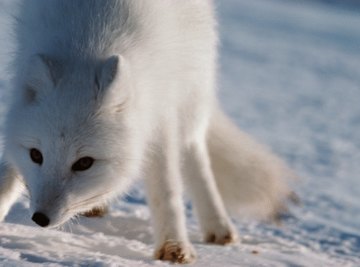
(10, 188)
(164, 189)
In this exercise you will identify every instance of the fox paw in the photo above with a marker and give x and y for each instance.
(176, 252)
(221, 238)
(96, 212)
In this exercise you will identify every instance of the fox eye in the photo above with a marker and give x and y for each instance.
(83, 164)
(36, 156)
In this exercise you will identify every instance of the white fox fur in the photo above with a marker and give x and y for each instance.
(130, 84)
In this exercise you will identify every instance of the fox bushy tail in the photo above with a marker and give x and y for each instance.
(251, 179)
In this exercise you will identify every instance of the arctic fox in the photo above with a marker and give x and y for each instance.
(105, 92)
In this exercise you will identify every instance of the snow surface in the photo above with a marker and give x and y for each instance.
(290, 75)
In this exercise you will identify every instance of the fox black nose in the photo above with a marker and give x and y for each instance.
(41, 219)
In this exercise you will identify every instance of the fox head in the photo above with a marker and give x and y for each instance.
(69, 135)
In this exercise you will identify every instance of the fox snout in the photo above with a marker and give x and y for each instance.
(41, 219)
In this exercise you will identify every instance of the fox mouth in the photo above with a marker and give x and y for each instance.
(41, 219)
(54, 216)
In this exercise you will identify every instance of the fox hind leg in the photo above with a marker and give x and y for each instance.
(213, 218)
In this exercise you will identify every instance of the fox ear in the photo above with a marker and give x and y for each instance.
(112, 82)
(41, 77)
(107, 73)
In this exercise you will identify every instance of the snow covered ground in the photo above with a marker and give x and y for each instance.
(290, 75)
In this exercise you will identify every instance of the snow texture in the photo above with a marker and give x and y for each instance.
(290, 75)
